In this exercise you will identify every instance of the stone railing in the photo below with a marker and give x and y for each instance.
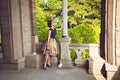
(79, 48)
(93, 49)
(94, 57)
(95, 61)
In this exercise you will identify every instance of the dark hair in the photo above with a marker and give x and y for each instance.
(49, 23)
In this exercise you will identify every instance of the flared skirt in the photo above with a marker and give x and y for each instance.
(51, 47)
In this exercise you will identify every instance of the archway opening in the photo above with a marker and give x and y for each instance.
(84, 20)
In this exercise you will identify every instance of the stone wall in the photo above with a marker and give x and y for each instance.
(118, 33)
(26, 27)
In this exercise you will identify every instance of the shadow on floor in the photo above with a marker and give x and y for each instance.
(117, 75)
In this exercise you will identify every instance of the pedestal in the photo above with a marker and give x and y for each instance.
(32, 61)
(65, 52)
(53, 60)
(17, 64)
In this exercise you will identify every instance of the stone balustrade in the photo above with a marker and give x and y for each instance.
(78, 48)
(93, 50)
(95, 61)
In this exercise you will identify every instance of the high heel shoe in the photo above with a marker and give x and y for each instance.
(44, 67)
(49, 66)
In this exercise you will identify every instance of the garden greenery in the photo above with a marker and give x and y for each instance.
(83, 19)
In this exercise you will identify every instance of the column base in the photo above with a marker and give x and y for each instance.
(65, 52)
(17, 67)
(66, 63)
(111, 71)
(53, 61)
(32, 61)
(14, 65)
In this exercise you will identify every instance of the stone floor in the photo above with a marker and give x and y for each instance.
(53, 73)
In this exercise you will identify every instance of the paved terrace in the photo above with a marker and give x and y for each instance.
(53, 73)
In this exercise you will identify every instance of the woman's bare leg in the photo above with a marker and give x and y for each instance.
(48, 60)
(45, 62)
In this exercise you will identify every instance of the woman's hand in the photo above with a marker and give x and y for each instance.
(60, 27)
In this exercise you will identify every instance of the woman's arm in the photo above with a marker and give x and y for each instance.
(49, 33)
(60, 27)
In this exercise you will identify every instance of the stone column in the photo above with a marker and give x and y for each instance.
(11, 35)
(111, 32)
(65, 41)
(64, 11)
(26, 27)
(33, 25)
(110, 64)
(29, 33)
(117, 32)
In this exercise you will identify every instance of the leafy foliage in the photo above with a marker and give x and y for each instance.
(44, 12)
(85, 55)
(73, 54)
(81, 10)
(83, 19)
(84, 33)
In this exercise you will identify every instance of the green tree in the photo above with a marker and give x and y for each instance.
(80, 11)
(83, 19)
(85, 33)
(44, 12)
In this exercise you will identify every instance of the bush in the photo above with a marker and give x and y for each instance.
(85, 55)
(73, 54)
(84, 33)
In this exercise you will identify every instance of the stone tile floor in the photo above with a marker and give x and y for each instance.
(53, 73)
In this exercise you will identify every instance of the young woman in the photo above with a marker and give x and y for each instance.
(50, 46)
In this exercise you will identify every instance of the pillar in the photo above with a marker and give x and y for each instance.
(25, 13)
(65, 40)
(111, 31)
(11, 35)
(117, 32)
(33, 25)
(64, 11)
(110, 64)
(65, 52)
(29, 33)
